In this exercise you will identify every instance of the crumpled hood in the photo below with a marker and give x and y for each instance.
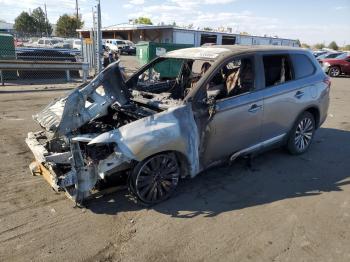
(85, 103)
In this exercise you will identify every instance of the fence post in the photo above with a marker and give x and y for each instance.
(85, 68)
(68, 75)
(2, 78)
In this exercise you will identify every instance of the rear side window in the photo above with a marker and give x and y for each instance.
(277, 69)
(303, 67)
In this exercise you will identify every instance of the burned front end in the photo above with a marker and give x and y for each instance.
(103, 128)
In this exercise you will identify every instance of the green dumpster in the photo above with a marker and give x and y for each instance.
(7, 52)
(147, 51)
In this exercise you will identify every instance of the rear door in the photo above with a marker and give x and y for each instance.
(284, 95)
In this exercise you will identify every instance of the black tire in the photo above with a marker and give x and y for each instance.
(155, 179)
(302, 134)
(334, 71)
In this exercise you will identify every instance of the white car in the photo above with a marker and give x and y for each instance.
(114, 44)
(76, 44)
(46, 42)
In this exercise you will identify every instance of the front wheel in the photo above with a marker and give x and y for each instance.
(334, 71)
(155, 179)
(302, 134)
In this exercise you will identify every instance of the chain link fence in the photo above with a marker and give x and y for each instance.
(44, 51)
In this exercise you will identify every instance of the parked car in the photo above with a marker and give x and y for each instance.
(46, 54)
(129, 48)
(337, 66)
(186, 111)
(318, 53)
(113, 44)
(46, 42)
(329, 55)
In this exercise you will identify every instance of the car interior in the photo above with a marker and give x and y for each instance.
(177, 76)
(277, 70)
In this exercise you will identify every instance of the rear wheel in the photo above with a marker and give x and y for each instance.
(301, 134)
(155, 179)
(334, 71)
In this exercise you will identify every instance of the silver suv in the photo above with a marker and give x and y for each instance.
(185, 111)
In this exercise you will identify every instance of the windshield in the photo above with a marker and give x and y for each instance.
(342, 56)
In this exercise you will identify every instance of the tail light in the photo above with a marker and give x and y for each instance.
(327, 81)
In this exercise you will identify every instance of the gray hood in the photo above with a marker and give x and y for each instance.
(85, 103)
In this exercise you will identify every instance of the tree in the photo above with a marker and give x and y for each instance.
(41, 25)
(319, 46)
(24, 24)
(207, 29)
(298, 42)
(143, 20)
(304, 45)
(333, 45)
(67, 25)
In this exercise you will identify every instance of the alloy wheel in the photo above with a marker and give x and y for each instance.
(157, 178)
(303, 134)
(334, 71)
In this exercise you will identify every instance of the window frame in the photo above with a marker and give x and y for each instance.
(294, 66)
(252, 56)
(283, 53)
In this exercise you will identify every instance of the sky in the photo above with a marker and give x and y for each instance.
(312, 21)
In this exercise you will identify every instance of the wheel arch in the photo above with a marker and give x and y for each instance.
(314, 110)
(182, 159)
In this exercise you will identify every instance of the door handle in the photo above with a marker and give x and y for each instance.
(299, 94)
(254, 108)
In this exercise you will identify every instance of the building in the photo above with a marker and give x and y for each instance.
(6, 27)
(178, 35)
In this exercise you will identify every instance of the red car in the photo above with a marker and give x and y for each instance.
(336, 66)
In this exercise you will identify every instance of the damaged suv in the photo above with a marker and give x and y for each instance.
(184, 112)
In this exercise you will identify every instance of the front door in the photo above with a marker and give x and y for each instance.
(236, 123)
(235, 126)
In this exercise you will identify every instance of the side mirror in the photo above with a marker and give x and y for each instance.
(212, 94)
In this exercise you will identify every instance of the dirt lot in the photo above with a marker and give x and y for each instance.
(284, 208)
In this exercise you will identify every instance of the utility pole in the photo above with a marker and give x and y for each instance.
(77, 14)
(47, 21)
(98, 36)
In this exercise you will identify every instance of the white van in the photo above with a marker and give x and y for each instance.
(114, 44)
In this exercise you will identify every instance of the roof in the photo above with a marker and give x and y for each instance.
(127, 27)
(212, 52)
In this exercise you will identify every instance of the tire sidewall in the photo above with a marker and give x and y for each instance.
(291, 139)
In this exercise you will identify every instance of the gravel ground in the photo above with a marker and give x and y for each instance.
(284, 208)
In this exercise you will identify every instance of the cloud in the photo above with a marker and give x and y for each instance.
(339, 8)
(137, 2)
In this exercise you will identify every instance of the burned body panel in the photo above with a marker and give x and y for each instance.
(172, 130)
(84, 104)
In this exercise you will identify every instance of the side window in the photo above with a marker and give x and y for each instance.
(234, 78)
(277, 69)
(302, 65)
(41, 42)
